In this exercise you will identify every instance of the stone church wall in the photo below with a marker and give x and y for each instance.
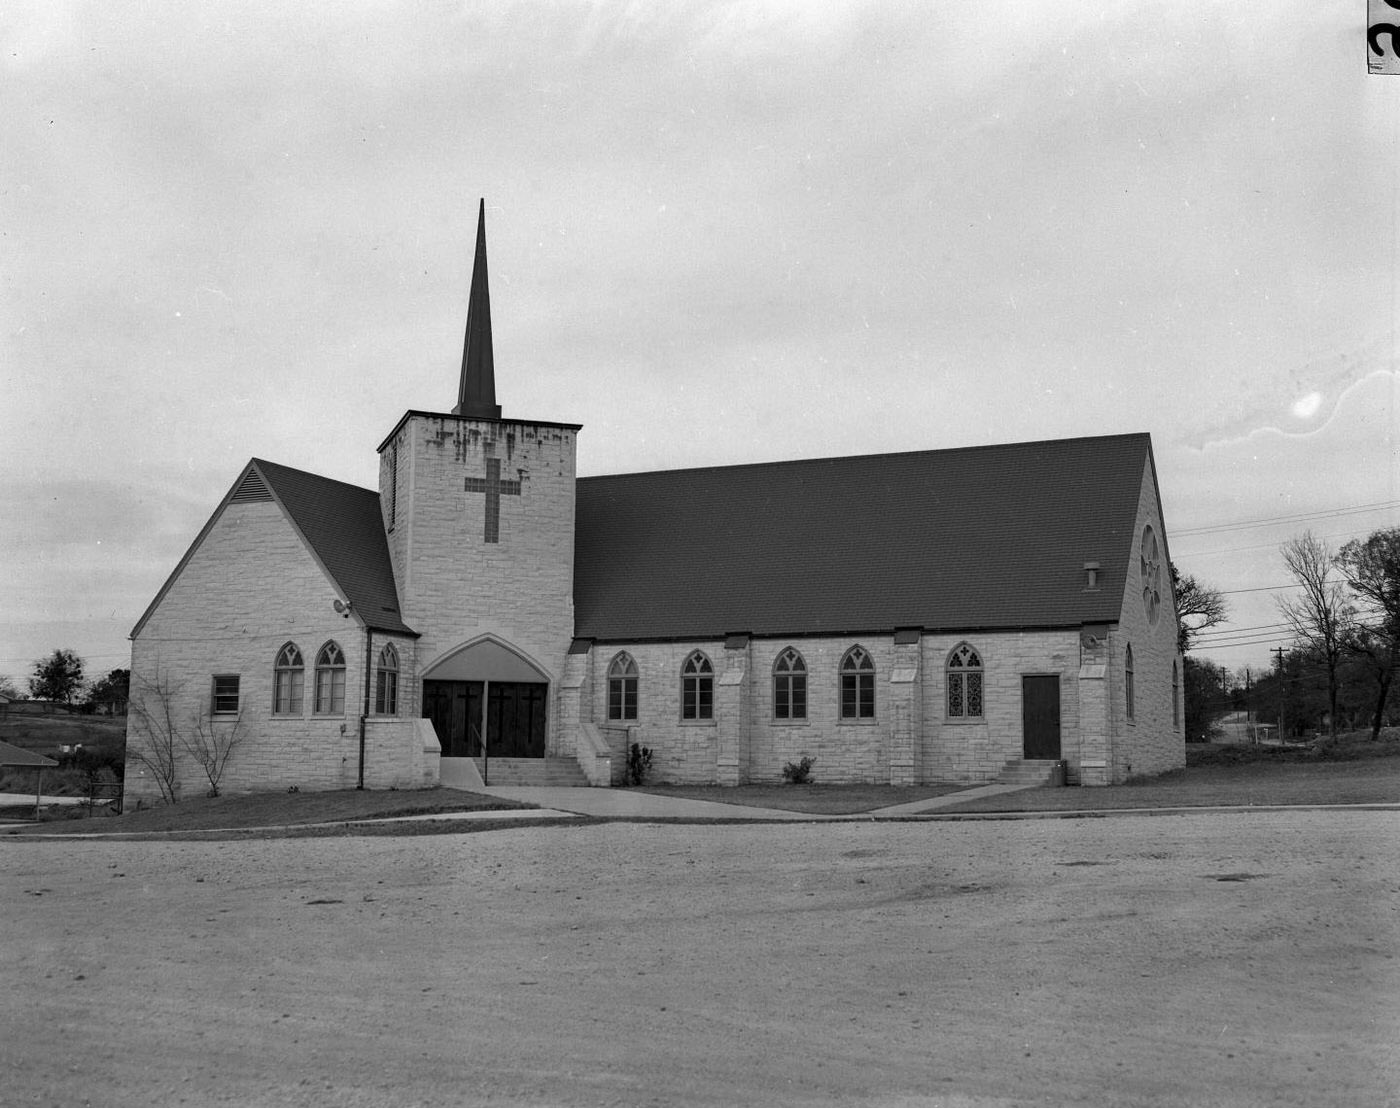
(249, 588)
(1153, 740)
(970, 750)
(683, 751)
(845, 751)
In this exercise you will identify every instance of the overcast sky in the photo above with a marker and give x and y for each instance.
(718, 233)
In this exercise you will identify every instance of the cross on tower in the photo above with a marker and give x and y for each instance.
(494, 488)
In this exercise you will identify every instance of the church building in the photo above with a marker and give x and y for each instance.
(960, 615)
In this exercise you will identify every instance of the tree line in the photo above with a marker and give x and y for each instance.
(1344, 620)
(61, 678)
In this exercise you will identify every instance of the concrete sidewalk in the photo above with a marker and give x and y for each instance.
(595, 803)
(632, 804)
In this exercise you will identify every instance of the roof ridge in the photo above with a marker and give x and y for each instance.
(790, 462)
(260, 462)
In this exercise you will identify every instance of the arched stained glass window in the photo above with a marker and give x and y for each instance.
(789, 686)
(289, 681)
(330, 680)
(386, 686)
(622, 688)
(857, 685)
(964, 683)
(697, 688)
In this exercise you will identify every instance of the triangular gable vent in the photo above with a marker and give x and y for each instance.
(250, 490)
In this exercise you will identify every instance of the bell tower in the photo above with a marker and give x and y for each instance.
(479, 514)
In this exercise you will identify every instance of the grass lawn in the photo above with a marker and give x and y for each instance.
(1354, 771)
(1215, 786)
(266, 810)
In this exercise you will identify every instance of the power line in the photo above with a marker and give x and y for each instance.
(1276, 520)
(1270, 545)
(1239, 630)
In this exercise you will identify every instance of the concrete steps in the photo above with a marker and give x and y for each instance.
(1029, 771)
(546, 773)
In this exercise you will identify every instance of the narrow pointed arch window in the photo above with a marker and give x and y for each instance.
(1176, 697)
(330, 680)
(386, 682)
(964, 673)
(789, 686)
(288, 681)
(697, 687)
(622, 688)
(1128, 682)
(857, 685)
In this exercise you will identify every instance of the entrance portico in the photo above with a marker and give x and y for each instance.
(487, 698)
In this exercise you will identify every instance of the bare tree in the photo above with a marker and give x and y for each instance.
(152, 712)
(1197, 602)
(1321, 615)
(1372, 570)
(212, 743)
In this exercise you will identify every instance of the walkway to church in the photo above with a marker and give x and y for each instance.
(631, 804)
(619, 804)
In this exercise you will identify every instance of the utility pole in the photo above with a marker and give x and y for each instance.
(1279, 650)
(1249, 705)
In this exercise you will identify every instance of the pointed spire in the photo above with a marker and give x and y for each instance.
(476, 395)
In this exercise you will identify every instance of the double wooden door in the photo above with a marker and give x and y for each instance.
(515, 719)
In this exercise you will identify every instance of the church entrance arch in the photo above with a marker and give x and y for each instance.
(487, 699)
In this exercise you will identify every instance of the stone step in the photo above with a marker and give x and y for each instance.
(546, 773)
(1028, 771)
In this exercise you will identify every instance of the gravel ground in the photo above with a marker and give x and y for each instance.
(1219, 958)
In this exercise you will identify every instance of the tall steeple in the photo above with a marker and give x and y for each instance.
(476, 395)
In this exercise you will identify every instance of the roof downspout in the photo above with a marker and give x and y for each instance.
(369, 642)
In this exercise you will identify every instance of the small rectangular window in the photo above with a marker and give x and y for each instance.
(225, 700)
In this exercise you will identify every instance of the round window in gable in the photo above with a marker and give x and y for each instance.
(1151, 575)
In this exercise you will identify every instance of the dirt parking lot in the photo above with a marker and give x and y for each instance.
(1232, 959)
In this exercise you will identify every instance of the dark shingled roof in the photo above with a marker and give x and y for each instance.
(344, 527)
(976, 538)
(17, 756)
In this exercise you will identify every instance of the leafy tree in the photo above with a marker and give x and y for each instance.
(9, 688)
(1205, 690)
(110, 693)
(58, 677)
(1321, 615)
(1198, 607)
(1371, 567)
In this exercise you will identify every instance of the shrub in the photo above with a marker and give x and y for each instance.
(799, 773)
(638, 764)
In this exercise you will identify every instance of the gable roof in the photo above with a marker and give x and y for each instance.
(11, 755)
(967, 539)
(342, 527)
